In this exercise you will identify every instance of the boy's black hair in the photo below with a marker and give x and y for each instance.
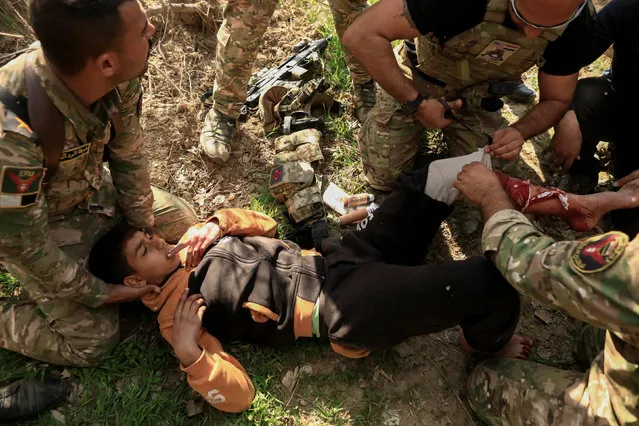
(73, 32)
(107, 259)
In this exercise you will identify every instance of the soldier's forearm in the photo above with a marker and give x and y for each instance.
(542, 117)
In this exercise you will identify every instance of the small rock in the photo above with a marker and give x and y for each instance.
(290, 379)
(404, 350)
(58, 416)
(219, 199)
(65, 374)
(544, 353)
(470, 226)
(391, 417)
(604, 179)
(193, 407)
(544, 316)
(306, 369)
(231, 196)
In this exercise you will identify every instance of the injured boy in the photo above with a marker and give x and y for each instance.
(368, 290)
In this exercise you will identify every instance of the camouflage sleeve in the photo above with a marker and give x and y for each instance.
(25, 240)
(592, 280)
(128, 163)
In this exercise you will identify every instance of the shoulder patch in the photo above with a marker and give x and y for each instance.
(13, 123)
(599, 252)
(20, 186)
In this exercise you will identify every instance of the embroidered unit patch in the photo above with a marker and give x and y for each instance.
(599, 252)
(497, 52)
(20, 186)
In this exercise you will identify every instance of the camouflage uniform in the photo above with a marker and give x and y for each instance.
(463, 67)
(239, 39)
(593, 280)
(46, 233)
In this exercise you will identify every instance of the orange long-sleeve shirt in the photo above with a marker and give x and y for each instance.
(216, 375)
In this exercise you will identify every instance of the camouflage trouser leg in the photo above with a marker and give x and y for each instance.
(505, 391)
(461, 141)
(238, 40)
(64, 331)
(590, 343)
(388, 142)
(344, 13)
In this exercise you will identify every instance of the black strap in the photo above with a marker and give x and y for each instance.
(16, 104)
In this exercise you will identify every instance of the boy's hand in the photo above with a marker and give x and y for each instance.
(121, 293)
(197, 243)
(186, 327)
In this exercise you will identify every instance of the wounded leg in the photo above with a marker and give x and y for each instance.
(582, 212)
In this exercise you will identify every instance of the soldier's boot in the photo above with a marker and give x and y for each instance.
(216, 136)
(365, 98)
(30, 397)
(523, 94)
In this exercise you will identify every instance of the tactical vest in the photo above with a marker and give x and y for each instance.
(488, 52)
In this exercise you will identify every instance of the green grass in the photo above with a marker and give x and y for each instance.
(8, 284)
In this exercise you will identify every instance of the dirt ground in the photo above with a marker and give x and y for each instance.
(420, 382)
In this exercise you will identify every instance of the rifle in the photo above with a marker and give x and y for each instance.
(293, 67)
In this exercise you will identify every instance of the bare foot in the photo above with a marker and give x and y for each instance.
(518, 347)
(583, 212)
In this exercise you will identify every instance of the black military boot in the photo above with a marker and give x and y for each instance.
(523, 94)
(30, 397)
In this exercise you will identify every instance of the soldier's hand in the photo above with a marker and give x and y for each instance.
(477, 183)
(566, 143)
(187, 324)
(431, 113)
(121, 293)
(199, 241)
(507, 143)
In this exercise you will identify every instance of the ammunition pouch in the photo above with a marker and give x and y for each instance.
(305, 204)
(299, 146)
(289, 178)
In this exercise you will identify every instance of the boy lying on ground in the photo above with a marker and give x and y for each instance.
(367, 291)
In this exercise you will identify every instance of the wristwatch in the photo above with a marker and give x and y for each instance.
(411, 107)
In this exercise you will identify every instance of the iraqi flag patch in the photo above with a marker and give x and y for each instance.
(20, 186)
(599, 252)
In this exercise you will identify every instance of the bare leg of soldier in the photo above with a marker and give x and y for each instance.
(238, 39)
(344, 13)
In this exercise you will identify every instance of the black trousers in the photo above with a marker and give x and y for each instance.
(601, 117)
(378, 293)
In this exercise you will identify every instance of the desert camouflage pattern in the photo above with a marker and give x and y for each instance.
(305, 204)
(514, 392)
(303, 145)
(294, 140)
(389, 139)
(288, 178)
(45, 243)
(239, 39)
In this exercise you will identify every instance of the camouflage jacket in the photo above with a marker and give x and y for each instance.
(82, 183)
(594, 280)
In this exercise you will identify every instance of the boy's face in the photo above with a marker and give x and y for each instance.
(147, 254)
